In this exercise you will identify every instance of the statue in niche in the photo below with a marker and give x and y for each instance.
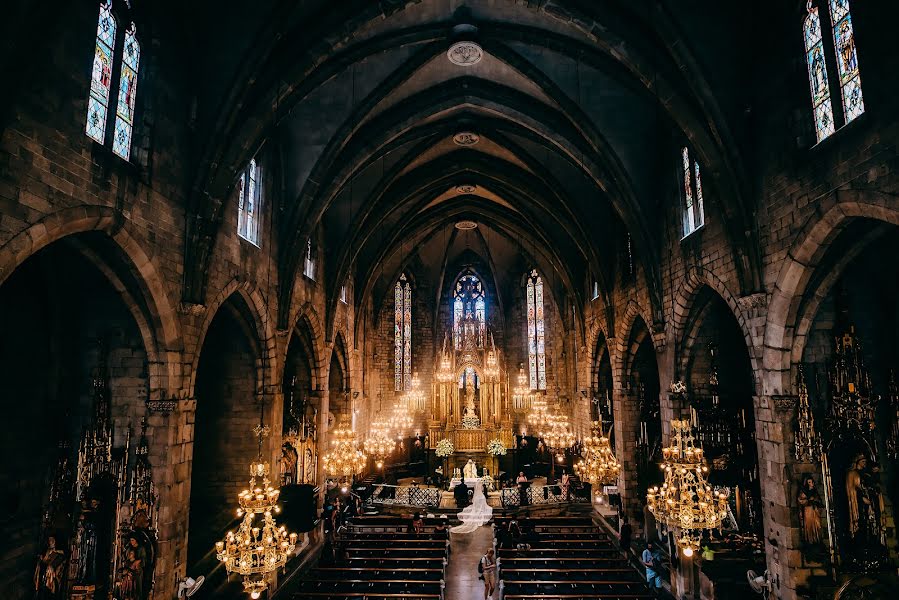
(864, 503)
(309, 467)
(48, 578)
(289, 461)
(470, 418)
(810, 507)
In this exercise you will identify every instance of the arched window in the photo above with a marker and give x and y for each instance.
(124, 120)
(248, 204)
(693, 209)
(101, 94)
(402, 334)
(469, 297)
(536, 332)
(847, 66)
(101, 75)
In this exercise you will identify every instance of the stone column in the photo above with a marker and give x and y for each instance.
(627, 420)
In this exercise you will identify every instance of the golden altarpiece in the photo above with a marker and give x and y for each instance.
(469, 401)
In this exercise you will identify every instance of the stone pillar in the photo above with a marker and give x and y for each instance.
(627, 422)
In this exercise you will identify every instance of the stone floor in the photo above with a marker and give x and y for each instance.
(466, 550)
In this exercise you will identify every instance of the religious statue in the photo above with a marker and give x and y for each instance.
(863, 502)
(48, 583)
(470, 419)
(471, 470)
(810, 506)
(289, 460)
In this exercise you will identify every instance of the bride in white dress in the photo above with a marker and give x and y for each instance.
(475, 514)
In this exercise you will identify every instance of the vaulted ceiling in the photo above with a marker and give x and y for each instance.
(577, 107)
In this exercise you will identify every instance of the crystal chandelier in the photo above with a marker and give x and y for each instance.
(556, 432)
(598, 465)
(257, 548)
(401, 418)
(686, 501)
(415, 398)
(344, 460)
(445, 372)
(539, 410)
(521, 393)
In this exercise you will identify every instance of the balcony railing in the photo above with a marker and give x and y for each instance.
(539, 494)
(405, 495)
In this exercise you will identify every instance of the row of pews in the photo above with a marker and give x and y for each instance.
(555, 558)
(378, 558)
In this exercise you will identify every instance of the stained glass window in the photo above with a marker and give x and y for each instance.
(817, 74)
(402, 334)
(309, 261)
(101, 75)
(847, 59)
(536, 332)
(693, 213)
(248, 203)
(469, 297)
(124, 121)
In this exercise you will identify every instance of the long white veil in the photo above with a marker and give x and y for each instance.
(475, 514)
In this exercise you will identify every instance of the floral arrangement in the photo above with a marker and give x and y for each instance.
(444, 448)
(495, 447)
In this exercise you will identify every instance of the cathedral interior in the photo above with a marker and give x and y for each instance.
(289, 288)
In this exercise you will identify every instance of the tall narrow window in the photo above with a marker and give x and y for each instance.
(124, 121)
(343, 293)
(309, 262)
(817, 60)
(693, 213)
(817, 74)
(469, 298)
(248, 204)
(402, 334)
(101, 75)
(847, 60)
(536, 332)
(595, 289)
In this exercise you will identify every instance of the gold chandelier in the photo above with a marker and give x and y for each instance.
(401, 419)
(538, 416)
(379, 442)
(257, 548)
(686, 501)
(415, 398)
(491, 365)
(344, 460)
(556, 431)
(598, 465)
(521, 393)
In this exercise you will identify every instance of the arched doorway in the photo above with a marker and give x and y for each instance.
(300, 421)
(228, 409)
(720, 389)
(848, 371)
(74, 361)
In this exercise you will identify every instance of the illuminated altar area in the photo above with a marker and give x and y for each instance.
(468, 405)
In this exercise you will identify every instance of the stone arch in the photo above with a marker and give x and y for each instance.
(262, 325)
(786, 315)
(163, 328)
(306, 316)
(684, 303)
(624, 342)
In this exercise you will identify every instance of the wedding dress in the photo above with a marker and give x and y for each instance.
(475, 514)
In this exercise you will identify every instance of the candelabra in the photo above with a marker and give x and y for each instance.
(257, 548)
(686, 501)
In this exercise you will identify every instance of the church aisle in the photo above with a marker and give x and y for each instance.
(466, 550)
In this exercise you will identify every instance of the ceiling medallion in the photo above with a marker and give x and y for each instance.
(465, 54)
(466, 138)
(466, 189)
(466, 225)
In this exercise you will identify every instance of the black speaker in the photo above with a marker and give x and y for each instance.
(298, 508)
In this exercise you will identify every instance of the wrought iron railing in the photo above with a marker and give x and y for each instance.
(405, 495)
(539, 494)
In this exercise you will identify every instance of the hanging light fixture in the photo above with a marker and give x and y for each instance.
(344, 460)
(379, 443)
(491, 366)
(686, 501)
(257, 548)
(521, 393)
(415, 398)
(401, 418)
(539, 409)
(556, 432)
(599, 466)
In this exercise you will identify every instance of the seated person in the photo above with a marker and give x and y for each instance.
(418, 524)
(440, 531)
